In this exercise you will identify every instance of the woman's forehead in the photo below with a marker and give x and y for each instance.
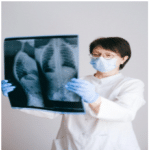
(102, 50)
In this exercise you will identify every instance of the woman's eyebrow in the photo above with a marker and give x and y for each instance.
(104, 53)
(109, 53)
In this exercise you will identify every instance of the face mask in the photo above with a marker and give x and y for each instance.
(103, 65)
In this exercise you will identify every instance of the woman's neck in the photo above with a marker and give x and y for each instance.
(101, 75)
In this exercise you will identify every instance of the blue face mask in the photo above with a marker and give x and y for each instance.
(103, 65)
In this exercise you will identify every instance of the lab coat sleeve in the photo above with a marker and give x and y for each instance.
(40, 113)
(125, 105)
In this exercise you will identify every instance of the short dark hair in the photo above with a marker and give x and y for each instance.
(115, 44)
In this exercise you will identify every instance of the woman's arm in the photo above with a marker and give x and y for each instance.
(124, 107)
(96, 105)
(41, 113)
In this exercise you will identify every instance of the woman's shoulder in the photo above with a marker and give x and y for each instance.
(130, 84)
(121, 80)
(131, 80)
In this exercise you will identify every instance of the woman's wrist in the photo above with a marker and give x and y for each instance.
(95, 106)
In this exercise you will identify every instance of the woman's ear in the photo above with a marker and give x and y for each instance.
(124, 59)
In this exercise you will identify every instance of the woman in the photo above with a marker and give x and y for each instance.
(111, 102)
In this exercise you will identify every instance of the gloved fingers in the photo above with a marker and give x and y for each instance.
(85, 86)
(6, 85)
(80, 81)
(73, 90)
(8, 89)
(76, 84)
(4, 81)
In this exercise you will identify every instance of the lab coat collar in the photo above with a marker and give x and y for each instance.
(108, 79)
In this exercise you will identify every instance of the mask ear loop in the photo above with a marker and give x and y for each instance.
(90, 55)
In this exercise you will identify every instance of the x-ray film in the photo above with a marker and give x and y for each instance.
(40, 67)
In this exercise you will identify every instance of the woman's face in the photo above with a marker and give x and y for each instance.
(103, 52)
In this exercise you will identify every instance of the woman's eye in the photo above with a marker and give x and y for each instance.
(109, 55)
(96, 55)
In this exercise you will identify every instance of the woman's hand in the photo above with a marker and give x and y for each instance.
(6, 87)
(84, 89)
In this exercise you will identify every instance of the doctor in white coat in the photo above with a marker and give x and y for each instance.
(111, 101)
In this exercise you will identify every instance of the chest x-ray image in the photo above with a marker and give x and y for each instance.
(40, 67)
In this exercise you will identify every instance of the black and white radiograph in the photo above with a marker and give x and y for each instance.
(40, 67)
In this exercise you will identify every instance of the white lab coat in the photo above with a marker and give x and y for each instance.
(111, 128)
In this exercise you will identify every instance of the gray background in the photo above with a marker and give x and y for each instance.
(89, 20)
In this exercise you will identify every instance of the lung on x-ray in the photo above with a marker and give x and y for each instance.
(40, 67)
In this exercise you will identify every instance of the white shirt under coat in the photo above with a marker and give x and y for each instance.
(111, 128)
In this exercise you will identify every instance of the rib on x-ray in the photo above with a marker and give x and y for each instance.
(40, 67)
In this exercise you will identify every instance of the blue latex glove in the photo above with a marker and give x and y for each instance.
(6, 87)
(84, 89)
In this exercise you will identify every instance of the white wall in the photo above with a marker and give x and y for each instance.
(89, 20)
